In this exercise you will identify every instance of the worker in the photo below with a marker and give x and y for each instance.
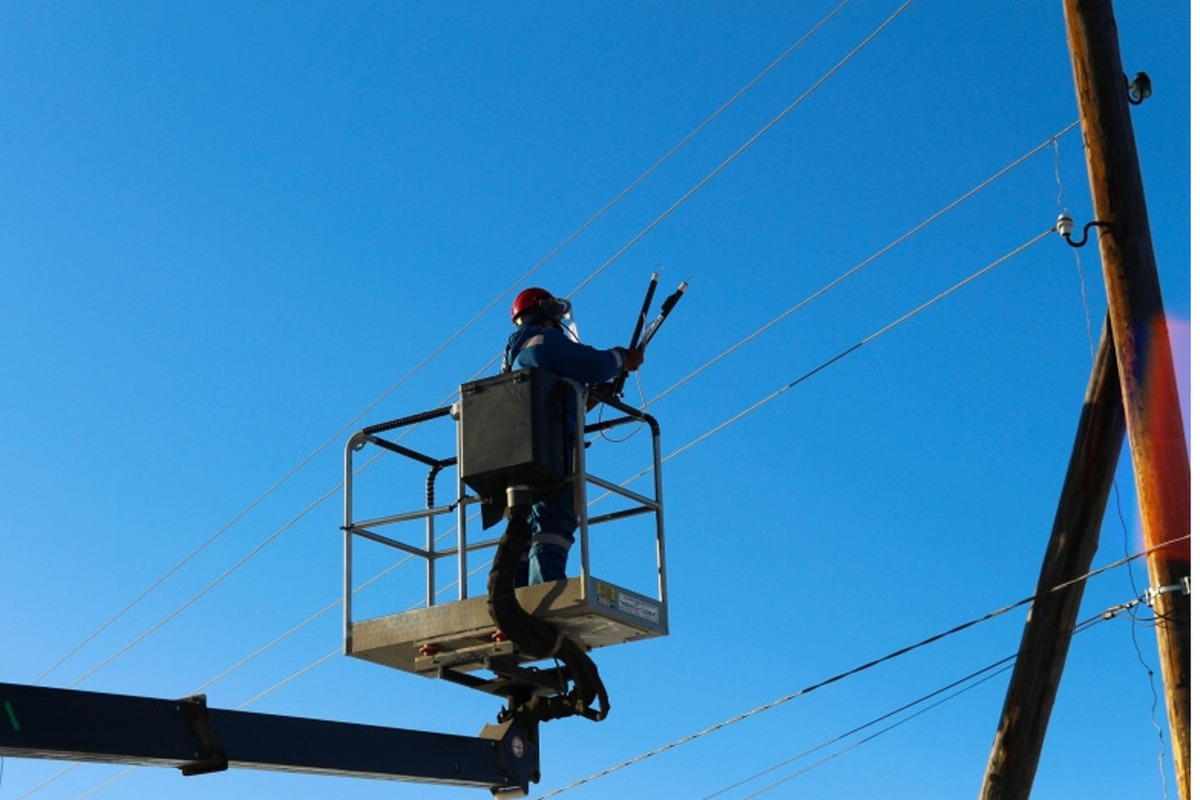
(546, 338)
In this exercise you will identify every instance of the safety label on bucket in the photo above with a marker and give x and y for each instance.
(629, 604)
(637, 608)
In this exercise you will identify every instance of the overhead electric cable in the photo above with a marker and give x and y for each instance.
(996, 668)
(1087, 313)
(445, 344)
(856, 670)
(290, 678)
(106, 783)
(876, 734)
(203, 591)
(742, 414)
(705, 436)
(50, 780)
(199, 549)
(746, 146)
(869, 260)
(327, 656)
(181, 564)
(890, 326)
(317, 615)
(277, 640)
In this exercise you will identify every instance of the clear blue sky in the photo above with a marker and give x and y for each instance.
(226, 229)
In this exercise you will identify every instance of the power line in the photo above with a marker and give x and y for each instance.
(1053, 140)
(995, 669)
(876, 734)
(998, 667)
(861, 668)
(746, 146)
(1087, 312)
(108, 782)
(311, 619)
(869, 260)
(778, 392)
(50, 780)
(203, 591)
(850, 672)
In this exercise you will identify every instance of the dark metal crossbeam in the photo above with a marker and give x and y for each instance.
(64, 724)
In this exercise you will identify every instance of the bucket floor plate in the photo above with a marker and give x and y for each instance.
(458, 636)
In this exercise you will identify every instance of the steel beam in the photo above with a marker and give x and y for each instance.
(65, 724)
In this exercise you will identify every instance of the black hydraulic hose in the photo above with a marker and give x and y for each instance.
(424, 416)
(540, 639)
(430, 481)
(528, 634)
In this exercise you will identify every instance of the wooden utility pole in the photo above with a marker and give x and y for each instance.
(1073, 541)
(1149, 392)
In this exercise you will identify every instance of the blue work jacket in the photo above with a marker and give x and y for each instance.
(550, 348)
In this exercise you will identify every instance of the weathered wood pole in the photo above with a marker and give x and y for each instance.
(1151, 399)
(1073, 540)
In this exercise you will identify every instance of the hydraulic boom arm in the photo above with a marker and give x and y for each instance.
(38, 722)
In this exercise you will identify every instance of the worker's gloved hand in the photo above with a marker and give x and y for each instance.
(633, 359)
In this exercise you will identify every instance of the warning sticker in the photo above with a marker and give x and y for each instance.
(606, 594)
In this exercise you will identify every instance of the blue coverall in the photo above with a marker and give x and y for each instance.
(553, 521)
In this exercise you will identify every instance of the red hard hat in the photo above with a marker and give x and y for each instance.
(528, 300)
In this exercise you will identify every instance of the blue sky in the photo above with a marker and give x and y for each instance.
(230, 229)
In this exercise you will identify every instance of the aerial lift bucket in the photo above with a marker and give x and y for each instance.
(524, 429)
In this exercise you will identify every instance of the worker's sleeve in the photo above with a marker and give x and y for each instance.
(579, 362)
